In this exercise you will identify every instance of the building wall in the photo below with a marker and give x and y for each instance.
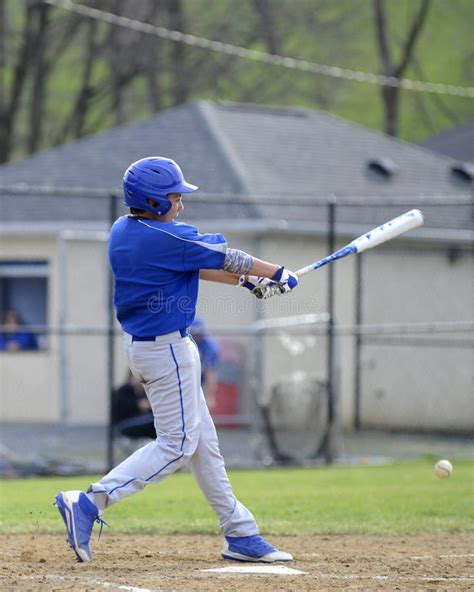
(29, 381)
(404, 386)
(86, 284)
(428, 382)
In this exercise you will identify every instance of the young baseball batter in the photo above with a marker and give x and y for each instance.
(157, 264)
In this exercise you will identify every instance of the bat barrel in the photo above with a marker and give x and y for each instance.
(389, 230)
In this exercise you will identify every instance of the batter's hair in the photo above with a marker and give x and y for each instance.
(138, 211)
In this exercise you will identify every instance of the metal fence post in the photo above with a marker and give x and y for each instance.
(63, 337)
(359, 260)
(329, 450)
(113, 213)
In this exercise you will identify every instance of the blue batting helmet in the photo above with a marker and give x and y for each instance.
(153, 177)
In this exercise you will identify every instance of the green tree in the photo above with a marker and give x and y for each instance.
(64, 75)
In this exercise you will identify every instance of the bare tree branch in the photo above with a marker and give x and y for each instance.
(436, 100)
(181, 84)
(3, 60)
(23, 63)
(116, 42)
(267, 26)
(152, 60)
(40, 70)
(412, 37)
(78, 114)
(381, 36)
(391, 94)
(63, 34)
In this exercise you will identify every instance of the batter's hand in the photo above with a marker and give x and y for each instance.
(282, 282)
(285, 279)
(254, 284)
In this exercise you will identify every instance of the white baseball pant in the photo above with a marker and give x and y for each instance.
(170, 370)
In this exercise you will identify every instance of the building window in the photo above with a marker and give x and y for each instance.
(23, 304)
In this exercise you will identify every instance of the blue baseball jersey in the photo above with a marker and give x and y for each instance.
(156, 269)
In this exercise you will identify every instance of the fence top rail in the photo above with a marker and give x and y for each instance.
(58, 191)
(318, 325)
(414, 328)
(304, 200)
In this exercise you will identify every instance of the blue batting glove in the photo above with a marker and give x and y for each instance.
(287, 280)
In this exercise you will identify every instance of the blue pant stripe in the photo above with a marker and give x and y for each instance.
(163, 468)
(120, 486)
(183, 423)
(180, 397)
(147, 479)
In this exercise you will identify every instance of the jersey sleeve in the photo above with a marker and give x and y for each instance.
(182, 248)
(204, 251)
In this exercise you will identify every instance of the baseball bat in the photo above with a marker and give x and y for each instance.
(368, 240)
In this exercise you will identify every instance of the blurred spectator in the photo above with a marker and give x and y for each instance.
(209, 354)
(14, 337)
(131, 410)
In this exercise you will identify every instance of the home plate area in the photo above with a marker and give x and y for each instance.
(248, 568)
(178, 563)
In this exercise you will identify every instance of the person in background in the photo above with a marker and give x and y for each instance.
(209, 354)
(14, 337)
(129, 399)
(131, 410)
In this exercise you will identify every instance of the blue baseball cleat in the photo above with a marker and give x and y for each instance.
(252, 548)
(79, 515)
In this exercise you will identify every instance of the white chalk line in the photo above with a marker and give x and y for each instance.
(90, 580)
(330, 576)
(321, 576)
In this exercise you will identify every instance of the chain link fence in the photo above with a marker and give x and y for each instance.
(381, 341)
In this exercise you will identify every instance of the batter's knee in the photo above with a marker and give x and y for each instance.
(190, 444)
(183, 445)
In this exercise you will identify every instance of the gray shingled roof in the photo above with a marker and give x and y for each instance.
(243, 150)
(457, 142)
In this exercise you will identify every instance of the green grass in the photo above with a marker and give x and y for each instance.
(402, 498)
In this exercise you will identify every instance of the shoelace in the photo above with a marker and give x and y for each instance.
(100, 521)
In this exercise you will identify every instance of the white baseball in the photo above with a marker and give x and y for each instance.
(443, 469)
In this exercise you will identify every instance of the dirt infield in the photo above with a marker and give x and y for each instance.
(173, 563)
